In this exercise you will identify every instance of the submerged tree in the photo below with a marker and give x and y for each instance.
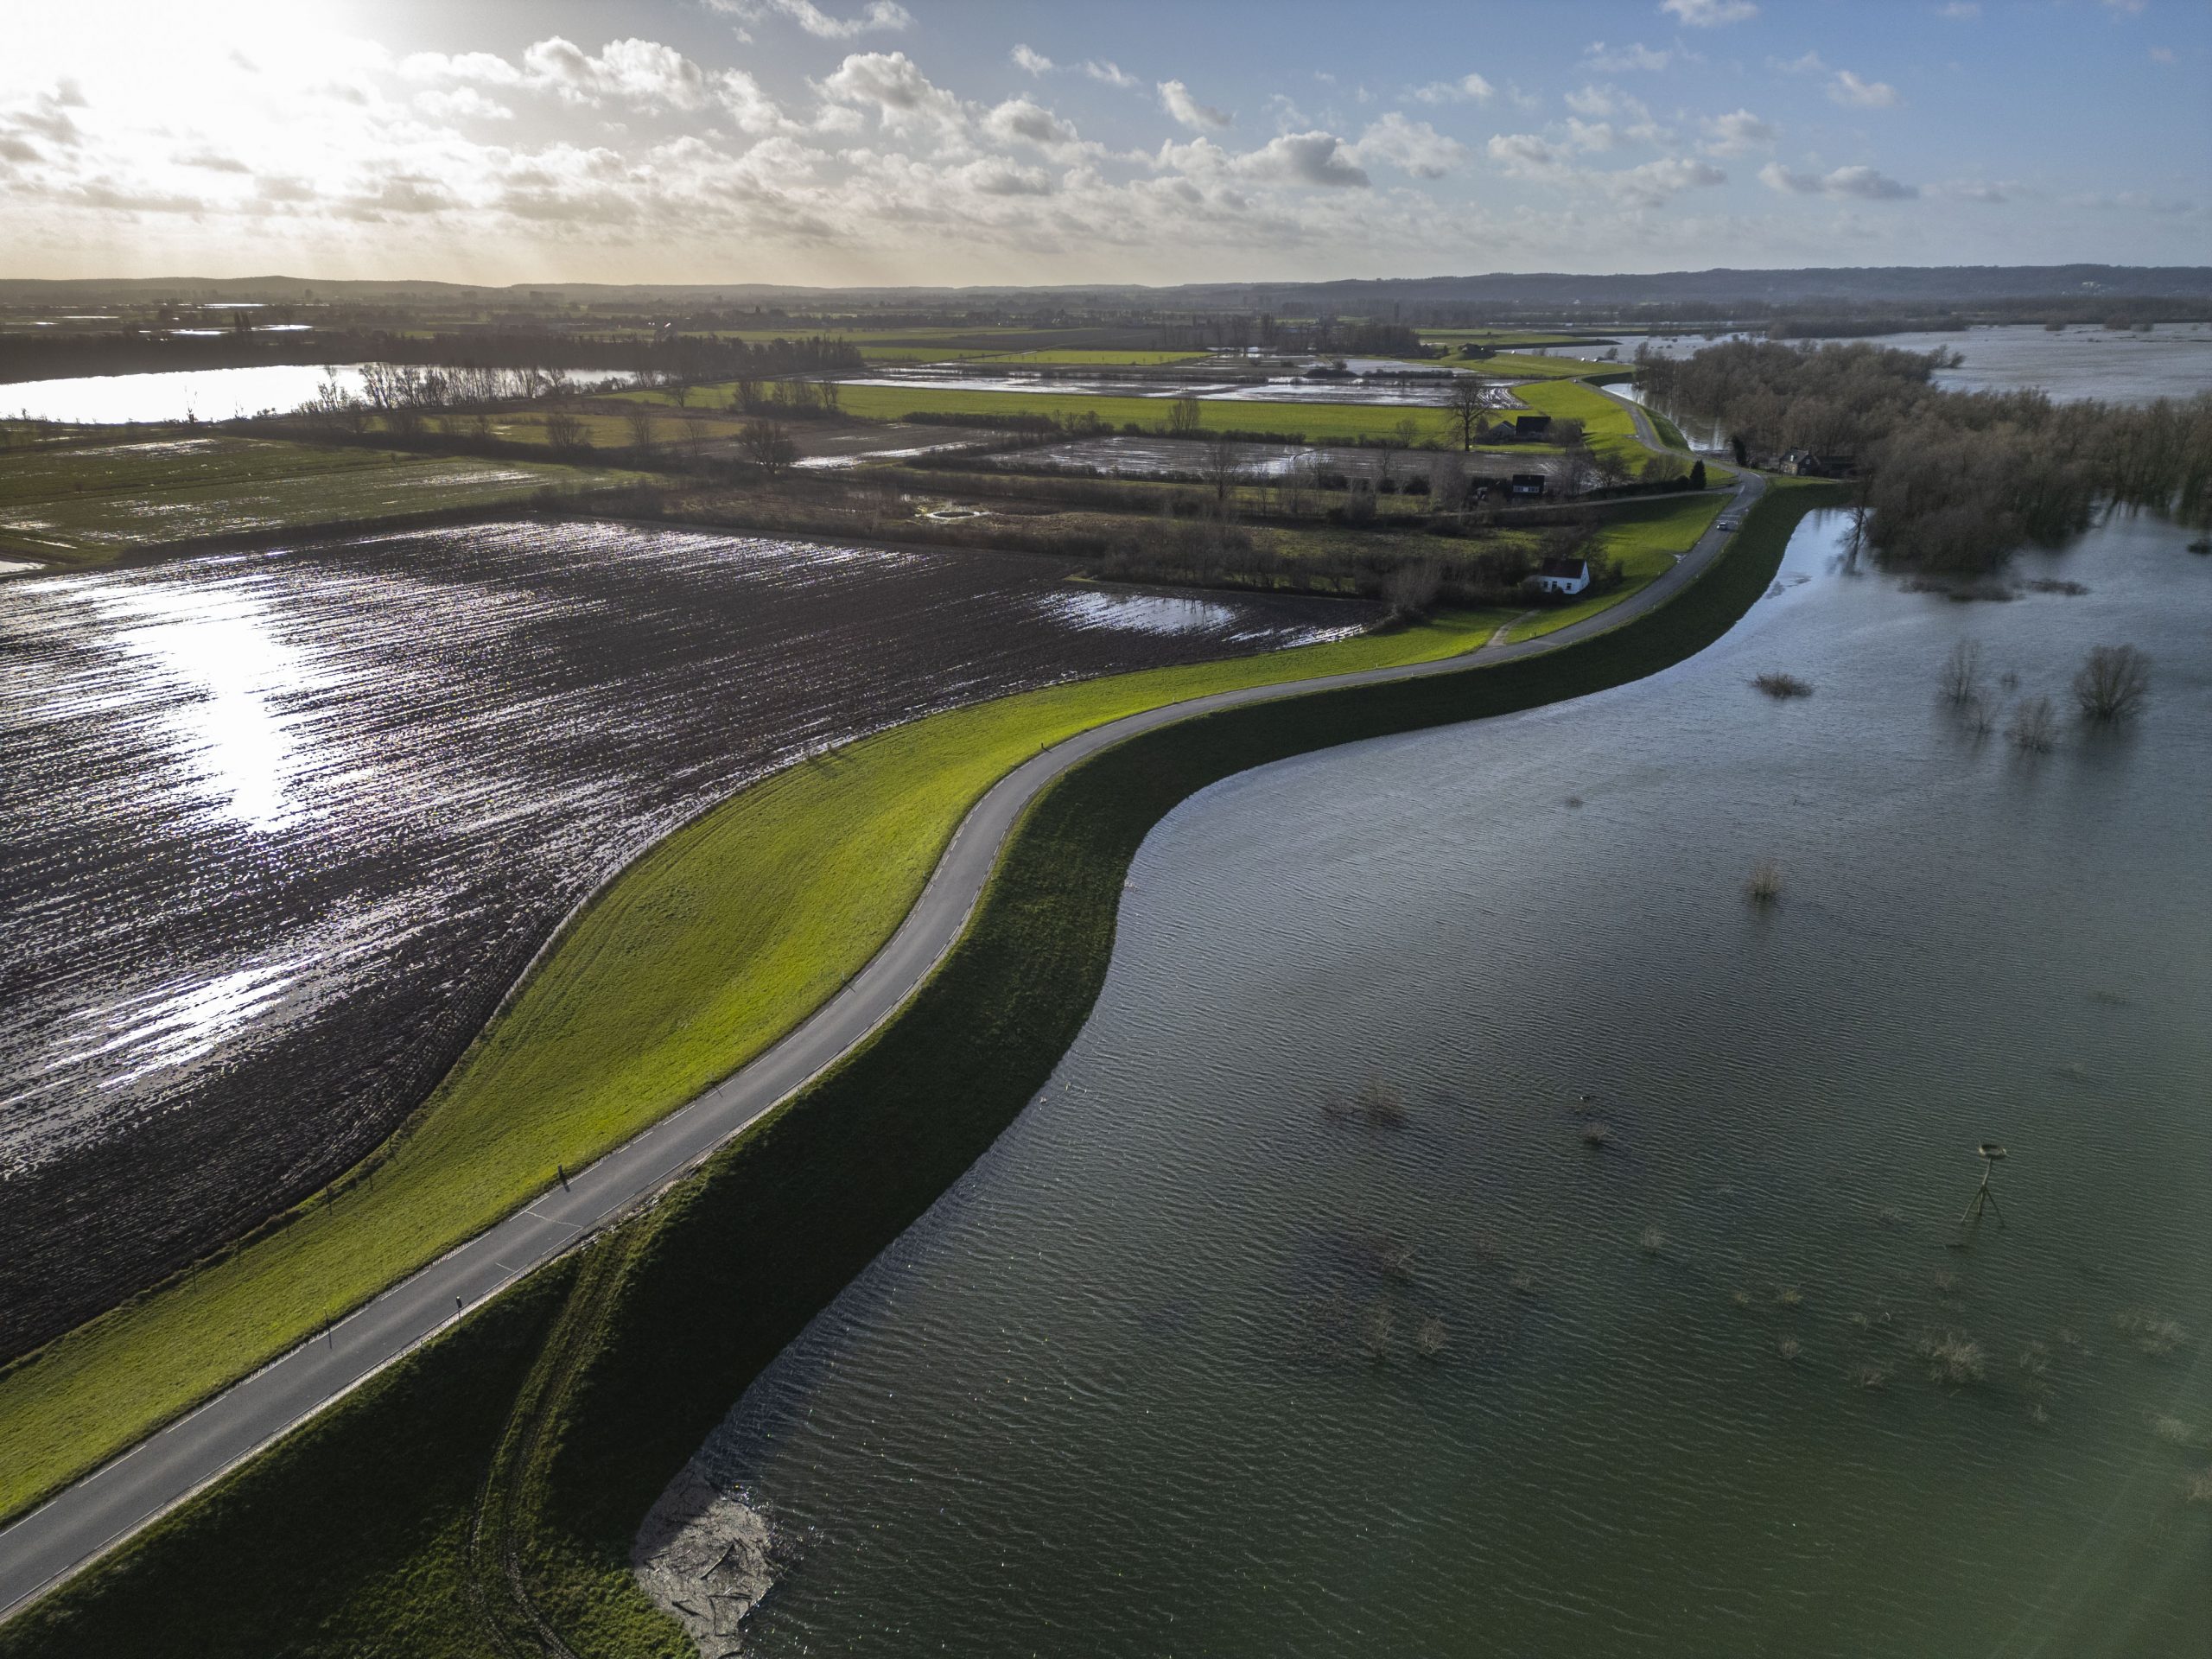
(1962, 673)
(2114, 683)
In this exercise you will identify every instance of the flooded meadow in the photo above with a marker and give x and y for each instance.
(283, 826)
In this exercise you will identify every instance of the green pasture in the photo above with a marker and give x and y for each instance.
(1644, 539)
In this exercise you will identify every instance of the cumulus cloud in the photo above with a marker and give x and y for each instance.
(892, 86)
(632, 71)
(1035, 63)
(461, 103)
(1860, 183)
(1523, 154)
(1412, 146)
(1659, 182)
(1111, 73)
(1709, 14)
(1175, 98)
(1311, 158)
(1615, 59)
(1737, 133)
(1591, 135)
(883, 15)
(1469, 88)
(1023, 120)
(1849, 90)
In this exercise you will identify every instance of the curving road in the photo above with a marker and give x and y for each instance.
(81, 1523)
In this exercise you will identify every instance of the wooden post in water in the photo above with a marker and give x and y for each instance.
(1990, 1152)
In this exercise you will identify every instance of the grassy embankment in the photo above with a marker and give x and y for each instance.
(83, 503)
(773, 1226)
(755, 914)
(1644, 539)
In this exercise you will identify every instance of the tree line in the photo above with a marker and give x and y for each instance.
(1950, 481)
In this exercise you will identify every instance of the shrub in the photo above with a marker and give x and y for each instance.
(2114, 683)
(1783, 686)
(1962, 673)
(2034, 729)
(1764, 886)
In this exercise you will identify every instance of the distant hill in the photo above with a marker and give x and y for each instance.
(1875, 285)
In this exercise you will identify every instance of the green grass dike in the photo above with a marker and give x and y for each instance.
(566, 1426)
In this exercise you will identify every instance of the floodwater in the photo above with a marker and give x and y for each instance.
(282, 827)
(1210, 1356)
(2174, 360)
(185, 394)
(1120, 456)
(1390, 384)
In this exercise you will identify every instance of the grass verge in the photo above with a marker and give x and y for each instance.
(707, 1287)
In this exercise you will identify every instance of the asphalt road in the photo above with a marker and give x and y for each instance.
(86, 1520)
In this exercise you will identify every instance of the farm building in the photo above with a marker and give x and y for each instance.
(1563, 577)
(1803, 463)
(1531, 426)
(1530, 484)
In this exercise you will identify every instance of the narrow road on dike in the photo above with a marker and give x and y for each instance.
(81, 1523)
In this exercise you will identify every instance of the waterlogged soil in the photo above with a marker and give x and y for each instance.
(1469, 1223)
(1123, 456)
(282, 828)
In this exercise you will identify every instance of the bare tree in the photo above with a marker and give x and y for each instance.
(2034, 729)
(1411, 590)
(1183, 417)
(769, 446)
(1578, 471)
(1408, 432)
(644, 422)
(1468, 404)
(1221, 465)
(2114, 683)
(565, 431)
(1962, 678)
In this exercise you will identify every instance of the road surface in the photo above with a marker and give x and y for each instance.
(85, 1520)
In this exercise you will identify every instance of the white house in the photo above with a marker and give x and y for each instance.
(1562, 577)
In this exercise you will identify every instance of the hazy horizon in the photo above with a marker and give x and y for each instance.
(874, 145)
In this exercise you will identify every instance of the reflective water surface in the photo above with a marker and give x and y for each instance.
(282, 826)
(1468, 1223)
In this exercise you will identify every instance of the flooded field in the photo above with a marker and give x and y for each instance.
(1469, 1223)
(188, 394)
(1381, 381)
(2173, 359)
(283, 826)
(1121, 456)
(84, 503)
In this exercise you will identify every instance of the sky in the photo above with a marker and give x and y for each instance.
(961, 141)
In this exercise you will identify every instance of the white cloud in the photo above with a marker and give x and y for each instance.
(1614, 60)
(470, 68)
(1469, 88)
(1861, 183)
(1020, 120)
(632, 71)
(884, 15)
(461, 103)
(1659, 182)
(1737, 133)
(1111, 73)
(1412, 146)
(898, 92)
(1596, 102)
(1314, 158)
(2164, 54)
(1175, 98)
(1810, 64)
(1035, 63)
(1523, 154)
(2130, 8)
(1709, 14)
(1962, 9)
(1591, 135)
(1849, 90)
